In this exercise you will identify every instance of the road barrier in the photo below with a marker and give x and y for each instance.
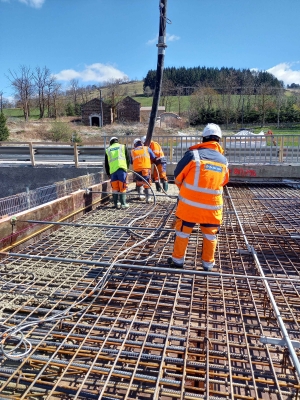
(261, 149)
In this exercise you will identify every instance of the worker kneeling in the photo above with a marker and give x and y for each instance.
(200, 176)
(160, 171)
(117, 161)
(141, 157)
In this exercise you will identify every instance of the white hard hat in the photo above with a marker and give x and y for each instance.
(136, 141)
(113, 138)
(143, 139)
(212, 130)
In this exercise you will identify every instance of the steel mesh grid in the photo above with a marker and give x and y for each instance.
(158, 335)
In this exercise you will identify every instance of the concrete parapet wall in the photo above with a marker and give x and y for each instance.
(66, 208)
(247, 172)
(15, 179)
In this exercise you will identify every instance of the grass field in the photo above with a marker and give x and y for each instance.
(18, 113)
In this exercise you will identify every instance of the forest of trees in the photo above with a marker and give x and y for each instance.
(219, 79)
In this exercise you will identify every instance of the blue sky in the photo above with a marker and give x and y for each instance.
(100, 40)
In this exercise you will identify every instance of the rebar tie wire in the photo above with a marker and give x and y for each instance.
(16, 333)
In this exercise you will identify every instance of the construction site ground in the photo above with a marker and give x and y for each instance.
(94, 312)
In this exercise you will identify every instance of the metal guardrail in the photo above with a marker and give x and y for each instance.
(238, 149)
(33, 198)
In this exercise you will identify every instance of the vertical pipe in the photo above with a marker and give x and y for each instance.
(76, 155)
(160, 67)
(31, 151)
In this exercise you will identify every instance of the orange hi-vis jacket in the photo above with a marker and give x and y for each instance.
(140, 158)
(157, 150)
(200, 175)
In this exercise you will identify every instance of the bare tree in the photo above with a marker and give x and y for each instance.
(167, 92)
(279, 93)
(57, 100)
(23, 85)
(42, 77)
(179, 94)
(84, 92)
(227, 83)
(115, 91)
(265, 100)
(74, 87)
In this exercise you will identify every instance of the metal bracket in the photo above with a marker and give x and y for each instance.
(278, 342)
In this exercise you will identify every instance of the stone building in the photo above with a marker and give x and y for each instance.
(96, 113)
(128, 110)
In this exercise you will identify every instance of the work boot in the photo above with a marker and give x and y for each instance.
(173, 264)
(140, 190)
(116, 202)
(158, 188)
(124, 206)
(148, 198)
(207, 266)
(165, 186)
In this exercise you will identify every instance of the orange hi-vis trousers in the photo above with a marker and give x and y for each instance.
(183, 229)
(161, 168)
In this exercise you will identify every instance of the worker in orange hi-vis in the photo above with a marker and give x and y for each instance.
(161, 165)
(271, 134)
(200, 176)
(141, 158)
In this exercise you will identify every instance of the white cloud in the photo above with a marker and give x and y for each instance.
(33, 3)
(92, 73)
(172, 38)
(169, 38)
(284, 73)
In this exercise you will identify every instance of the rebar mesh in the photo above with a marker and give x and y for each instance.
(159, 335)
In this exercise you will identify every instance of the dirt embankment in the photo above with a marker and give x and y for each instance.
(42, 130)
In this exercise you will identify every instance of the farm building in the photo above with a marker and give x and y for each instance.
(96, 113)
(128, 110)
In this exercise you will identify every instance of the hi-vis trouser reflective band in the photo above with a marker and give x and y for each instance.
(183, 229)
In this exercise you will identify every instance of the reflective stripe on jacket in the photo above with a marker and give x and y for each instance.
(200, 176)
(140, 158)
(116, 157)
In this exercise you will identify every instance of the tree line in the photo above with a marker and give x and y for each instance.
(219, 78)
(227, 95)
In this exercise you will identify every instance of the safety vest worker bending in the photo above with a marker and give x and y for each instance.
(161, 164)
(200, 176)
(117, 161)
(141, 157)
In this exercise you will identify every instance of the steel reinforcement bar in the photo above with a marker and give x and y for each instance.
(151, 334)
